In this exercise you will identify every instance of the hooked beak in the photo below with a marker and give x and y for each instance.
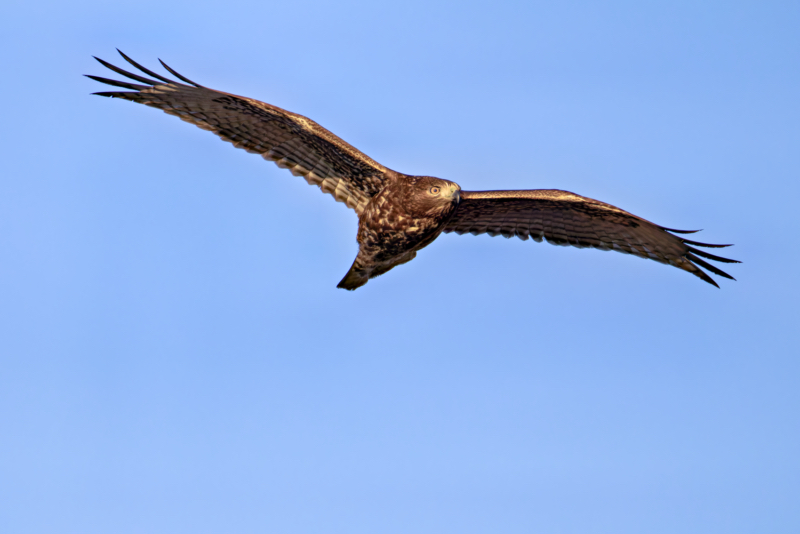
(455, 192)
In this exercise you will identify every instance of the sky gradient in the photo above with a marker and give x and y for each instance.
(174, 353)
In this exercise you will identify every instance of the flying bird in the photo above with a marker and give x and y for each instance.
(399, 214)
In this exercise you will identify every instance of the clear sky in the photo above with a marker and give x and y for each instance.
(175, 356)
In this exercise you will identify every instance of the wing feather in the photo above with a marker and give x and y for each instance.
(290, 140)
(564, 218)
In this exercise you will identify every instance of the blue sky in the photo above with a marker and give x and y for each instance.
(175, 356)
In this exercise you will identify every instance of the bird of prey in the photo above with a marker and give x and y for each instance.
(399, 214)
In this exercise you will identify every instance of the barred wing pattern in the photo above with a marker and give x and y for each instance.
(567, 219)
(290, 140)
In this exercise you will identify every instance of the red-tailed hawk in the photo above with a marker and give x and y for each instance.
(400, 214)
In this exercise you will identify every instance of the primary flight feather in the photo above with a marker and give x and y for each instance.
(399, 214)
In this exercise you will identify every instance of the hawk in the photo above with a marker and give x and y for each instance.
(399, 214)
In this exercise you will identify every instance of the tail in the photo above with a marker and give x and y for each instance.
(355, 277)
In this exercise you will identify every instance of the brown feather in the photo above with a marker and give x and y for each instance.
(564, 218)
(400, 214)
(290, 140)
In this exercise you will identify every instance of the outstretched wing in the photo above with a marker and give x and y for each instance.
(564, 218)
(290, 140)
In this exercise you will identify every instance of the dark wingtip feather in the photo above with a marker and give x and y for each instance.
(705, 278)
(145, 70)
(707, 245)
(182, 78)
(116, 83)
(694, 259)
(712, 256)
(680, 231)
(125, 73)
(111, 94)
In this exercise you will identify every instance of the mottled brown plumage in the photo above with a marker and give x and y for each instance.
(407, 215)
(400, 214)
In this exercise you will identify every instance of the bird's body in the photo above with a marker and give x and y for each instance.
(407, 215)
(401, 214)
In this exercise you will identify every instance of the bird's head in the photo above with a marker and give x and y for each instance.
(433, 196)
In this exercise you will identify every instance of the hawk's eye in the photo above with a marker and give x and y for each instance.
(435, 190)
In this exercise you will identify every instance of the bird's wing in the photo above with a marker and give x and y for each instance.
(564, 218)
(290, 140)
